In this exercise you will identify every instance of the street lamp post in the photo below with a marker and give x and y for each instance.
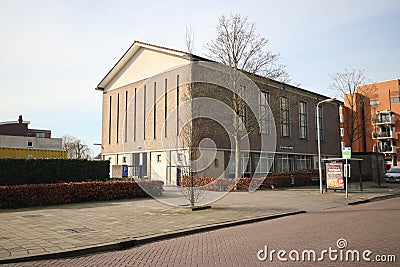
(319, 143)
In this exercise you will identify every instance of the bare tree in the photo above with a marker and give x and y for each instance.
(239, 46)
(348, 83)
(75, 148)
(188, 138)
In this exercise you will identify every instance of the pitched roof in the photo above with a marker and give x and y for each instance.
(191, 57)
(133, 49)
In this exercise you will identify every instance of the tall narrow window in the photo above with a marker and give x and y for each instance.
(165, 107)
(134, 116)
(126, 116)
(154, 109)
(117, 117)
(246, 164)
(109, 121)
(177, 104)
(144, 112)
(243, 118)
(303, 120)
(285, 119)
(319, 116)
(265, 116)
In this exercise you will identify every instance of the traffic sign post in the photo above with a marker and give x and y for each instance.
(346, 152)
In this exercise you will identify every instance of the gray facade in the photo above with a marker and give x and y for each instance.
(134, 124)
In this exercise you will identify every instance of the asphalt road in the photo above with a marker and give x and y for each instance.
(338, 236)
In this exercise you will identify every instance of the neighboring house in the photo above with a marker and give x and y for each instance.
(18, 141)
(377, 124)
(129, 137)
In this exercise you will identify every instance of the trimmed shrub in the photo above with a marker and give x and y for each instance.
(48, 171)
(279, 179)
(20, 196)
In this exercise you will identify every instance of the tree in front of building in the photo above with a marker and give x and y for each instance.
(240, 47)
(347, 83)
(75, 147)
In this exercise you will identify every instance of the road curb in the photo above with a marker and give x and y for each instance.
(373, 199)
(146, 239)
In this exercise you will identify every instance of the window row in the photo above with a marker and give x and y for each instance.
(285, 119)
(265, 163)
(114, 119)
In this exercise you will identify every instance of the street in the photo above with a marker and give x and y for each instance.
(368, 232)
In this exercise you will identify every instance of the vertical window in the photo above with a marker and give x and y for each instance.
(242, 110)
(154, 110)
(177, 104)
(265, 116)
(303, 120)
(126, 116)
(243, 117)
(30, 144)
(144, 112)
(109, 122)
(263, 163)
(285, 120)
(117, 117)
(165, 107)
(283, 163)
(246, 164)
(341, 132)
(134, 116)
(303, 162)
(216, 163)
(319, 117)
(144, 164)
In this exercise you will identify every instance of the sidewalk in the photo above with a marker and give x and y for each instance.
(75, 227)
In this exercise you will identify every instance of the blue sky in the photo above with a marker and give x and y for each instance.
(54, 53)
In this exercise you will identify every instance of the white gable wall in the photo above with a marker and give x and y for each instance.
(145, 63)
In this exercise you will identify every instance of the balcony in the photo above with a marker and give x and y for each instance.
(384, 135)
(389, 150)
(383, 121)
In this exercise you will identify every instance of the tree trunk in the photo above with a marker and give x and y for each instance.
(237, 157)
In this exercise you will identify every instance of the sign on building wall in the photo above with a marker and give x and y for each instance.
(334, 175)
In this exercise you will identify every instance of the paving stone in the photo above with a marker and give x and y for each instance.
(128, 219)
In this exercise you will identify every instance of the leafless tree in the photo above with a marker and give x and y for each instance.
(348, 83)
(75, 148)
(188, 138)
(239, 46)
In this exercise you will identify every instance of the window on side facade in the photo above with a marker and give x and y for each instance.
(265, 114)
(303, 127)
(285, 119)
(319, 116)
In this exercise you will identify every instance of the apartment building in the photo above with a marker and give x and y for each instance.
(143, 98)
(377, 123)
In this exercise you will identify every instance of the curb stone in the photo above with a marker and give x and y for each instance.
(373, 199)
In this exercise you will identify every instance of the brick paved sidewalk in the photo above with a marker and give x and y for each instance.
(46, 230)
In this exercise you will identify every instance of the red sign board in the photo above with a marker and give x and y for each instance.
(334, 175)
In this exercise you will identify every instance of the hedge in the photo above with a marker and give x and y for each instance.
(48, 171)
(20, 196)
(281, 179)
